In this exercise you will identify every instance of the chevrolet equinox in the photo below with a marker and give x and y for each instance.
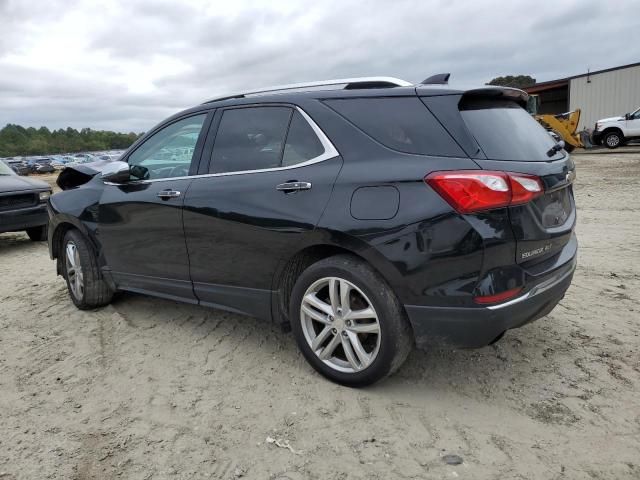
(367, 215)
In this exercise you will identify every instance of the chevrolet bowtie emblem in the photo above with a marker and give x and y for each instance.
(571, 176)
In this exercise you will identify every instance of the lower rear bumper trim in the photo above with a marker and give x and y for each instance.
(536, 290)
(473, 327)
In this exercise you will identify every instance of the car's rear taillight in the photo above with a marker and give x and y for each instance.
(524, 188)
(470, 191)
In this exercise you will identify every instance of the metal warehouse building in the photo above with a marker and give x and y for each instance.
(600, 94)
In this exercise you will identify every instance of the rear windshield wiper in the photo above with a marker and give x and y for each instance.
(555, 149)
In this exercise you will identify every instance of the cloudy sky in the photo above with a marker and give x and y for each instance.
(125, 65)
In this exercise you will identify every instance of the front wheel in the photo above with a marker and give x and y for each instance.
(348, 323)
(613, 140)
(80, 268)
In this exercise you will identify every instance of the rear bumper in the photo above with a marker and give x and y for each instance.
(473, 327)
(23, 218)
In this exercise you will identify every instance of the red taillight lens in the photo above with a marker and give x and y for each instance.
(498, 297)
(471, 191)
(524, 188)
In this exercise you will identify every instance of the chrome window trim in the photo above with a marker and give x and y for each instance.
(329, 152)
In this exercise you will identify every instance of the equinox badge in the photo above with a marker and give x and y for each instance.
(536, 251)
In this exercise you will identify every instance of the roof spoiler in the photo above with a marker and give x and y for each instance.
(506, 93)
(437, 79)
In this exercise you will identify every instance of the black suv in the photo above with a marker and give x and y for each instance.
(368, 215)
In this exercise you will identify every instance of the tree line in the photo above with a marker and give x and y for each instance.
(515, 81)
(20, 141)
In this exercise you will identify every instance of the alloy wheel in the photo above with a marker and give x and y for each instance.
(613, 140)
(74, 270)
(340, 324)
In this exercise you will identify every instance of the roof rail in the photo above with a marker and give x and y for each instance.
(348, 84)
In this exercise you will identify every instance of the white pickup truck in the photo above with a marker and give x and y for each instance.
(615, 131)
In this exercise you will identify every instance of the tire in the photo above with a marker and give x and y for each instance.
(88, 290)
(612, 140)
(37, 234)
(375, 353)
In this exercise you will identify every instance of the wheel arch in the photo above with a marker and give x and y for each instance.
(61, 226)
(291, 267)
(58, 229)
(613, 129)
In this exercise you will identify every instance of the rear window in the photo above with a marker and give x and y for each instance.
(400, 123)
(505, 131)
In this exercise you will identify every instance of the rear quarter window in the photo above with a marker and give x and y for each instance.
(302, 143)
(400, 123)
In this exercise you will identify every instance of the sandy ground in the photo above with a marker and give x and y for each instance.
(147, 388)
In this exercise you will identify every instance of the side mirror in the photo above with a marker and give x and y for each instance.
(561, 144)
(627, 116)
(116, 172)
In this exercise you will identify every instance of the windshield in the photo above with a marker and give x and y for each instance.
(505, 131)
(5, 169)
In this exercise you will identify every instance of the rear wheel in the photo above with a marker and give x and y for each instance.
(37, 234)
(84, 279)
(348, 323)
(613, 140)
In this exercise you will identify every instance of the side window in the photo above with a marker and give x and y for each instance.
(169, 152)
(400, 123)
(250, 139)
(302, 142)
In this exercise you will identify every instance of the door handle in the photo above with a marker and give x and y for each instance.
(167, 194)
(290, 187)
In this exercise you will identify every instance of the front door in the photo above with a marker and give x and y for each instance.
(633, 124)
(271, 174)
(140, 222)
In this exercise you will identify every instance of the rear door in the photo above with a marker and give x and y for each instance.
(270, 176)
(140, 222)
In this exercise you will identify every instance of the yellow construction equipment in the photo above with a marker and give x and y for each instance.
(564, 125)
